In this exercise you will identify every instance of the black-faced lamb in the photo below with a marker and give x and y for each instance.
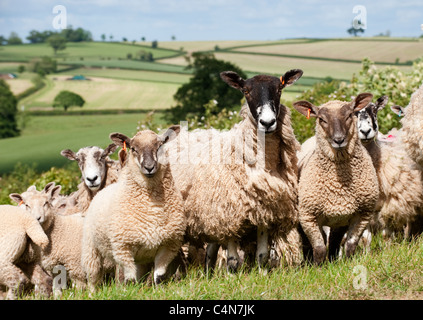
(139, 219)
(338, 186)
(400, 181)
(243, 181)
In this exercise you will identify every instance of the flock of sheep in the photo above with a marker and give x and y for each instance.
(175, 199)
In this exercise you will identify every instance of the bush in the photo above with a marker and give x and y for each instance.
(43, 65)
(388, 80)
(8, 112)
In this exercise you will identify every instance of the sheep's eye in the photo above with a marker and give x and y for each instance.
(27, 207)
(322, 120)
(46, 204)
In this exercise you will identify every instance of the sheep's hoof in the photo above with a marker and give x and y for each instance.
(233, 264)
(319, 254)
(262, 259)
(350, 249)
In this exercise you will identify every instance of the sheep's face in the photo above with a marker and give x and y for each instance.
(144, 148)
(335, 119)
(38, 203)
(92, 163)
(367, 125)
(263, 94)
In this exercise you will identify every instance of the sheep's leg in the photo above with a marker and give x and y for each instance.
(314, 234)
(162, 260)
(42, 281)
(13, 277)
(335, 239)
(262, 253)
(355, 231)
(367, 239)
(233, 257)
(211, 256)
(124, 257)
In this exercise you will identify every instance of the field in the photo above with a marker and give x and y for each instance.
(392, 270)
(121, 84)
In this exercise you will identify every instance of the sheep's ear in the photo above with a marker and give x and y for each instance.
(55, 191)
(31, 189)
(68, 153)
(398, 110)
(171, 133)
(381, 102)
(16, 197)
(233, 79)
(119, 139)
(361, 101)
(306, 108)
(109, 150)
(48, 187)
(290, 77)
(123, 156)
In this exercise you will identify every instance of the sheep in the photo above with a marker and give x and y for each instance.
(139, 219)
(400, 182)
(17, 228)
(64, 233)
(243, 181)
(338, 186)
(412, 126)
(98, 171)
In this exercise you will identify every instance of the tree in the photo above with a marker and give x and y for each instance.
(43, 65)
(103, 37)
(154, 44)
(8, 112)
(355, 31)
(14, 38)
(205, 85)
(66, 99)
(57, 42)
(3, 40)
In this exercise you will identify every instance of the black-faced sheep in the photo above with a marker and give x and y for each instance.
(139, 219)
(243, 181)
(338, 186)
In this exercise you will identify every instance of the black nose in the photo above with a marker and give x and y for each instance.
(149, 169)
(267, 124)
(338, 140)
(92, 179)
(366, 133)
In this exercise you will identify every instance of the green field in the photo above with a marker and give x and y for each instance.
(45, 136)
(121, 84)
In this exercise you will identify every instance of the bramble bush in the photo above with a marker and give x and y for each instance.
(389, 80)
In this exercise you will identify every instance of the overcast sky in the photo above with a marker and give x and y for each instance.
(214, 19)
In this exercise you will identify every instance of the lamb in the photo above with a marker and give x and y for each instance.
(242, 182)
(17, 229)
(338, 186)
(98, 171)
(400, 182)
(64, 233)
(139, 219)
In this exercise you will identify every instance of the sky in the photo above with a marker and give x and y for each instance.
(194, 20)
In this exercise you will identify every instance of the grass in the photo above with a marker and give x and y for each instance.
(45, 136)
(392, 270)
(104, 93)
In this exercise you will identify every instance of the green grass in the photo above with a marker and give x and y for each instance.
(393, 271)
(45, 136)
(75, 50)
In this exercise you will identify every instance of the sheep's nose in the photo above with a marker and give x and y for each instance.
(92, 179)
(338, 141)
(267, 124)
(149, 169)
(365, 133)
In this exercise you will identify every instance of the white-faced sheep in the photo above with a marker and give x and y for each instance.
(400, 182)
(64, 233)
(243, 181)
(138, 220)
(17, 229)
(338, 186)
(98, 171)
